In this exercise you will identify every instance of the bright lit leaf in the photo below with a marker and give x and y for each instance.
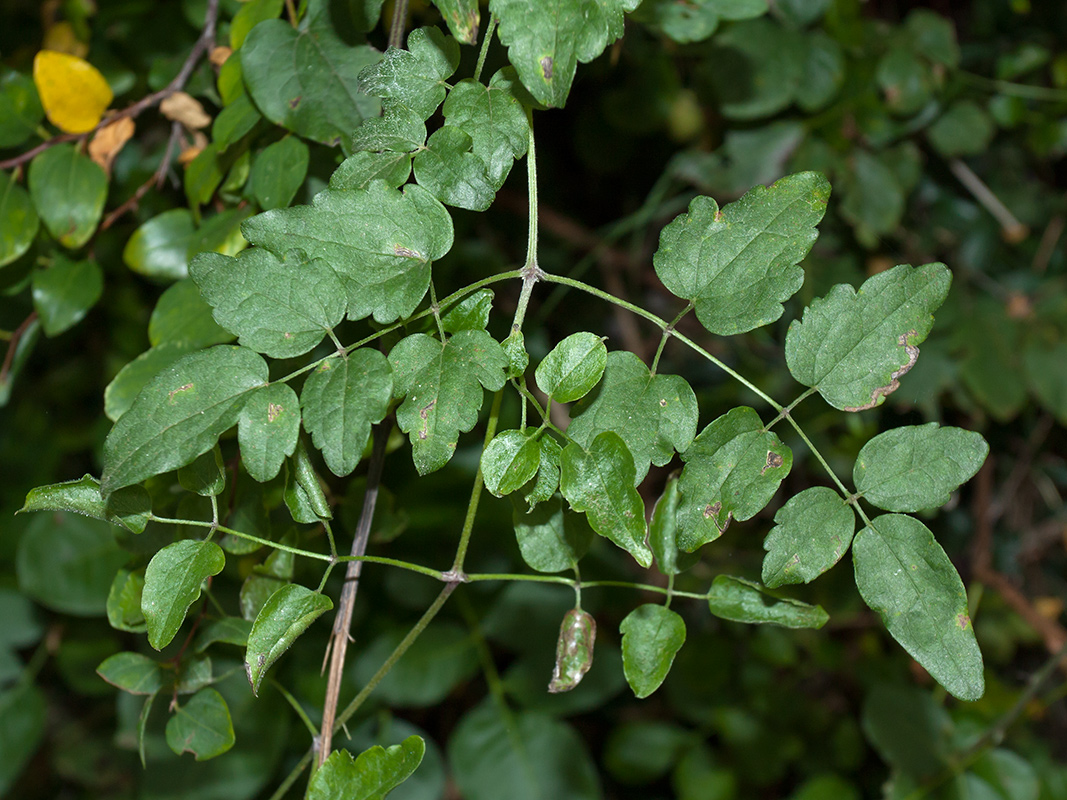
(572, 368)
(286, 614)
(172, 584)
(509, 461)
(370, 776)
(73, 92)
(651, 636)
(267, 429)
(129, 507)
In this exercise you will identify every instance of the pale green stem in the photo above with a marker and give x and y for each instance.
(667, 335)
(486, 39)
(476, 490)
(531, 272)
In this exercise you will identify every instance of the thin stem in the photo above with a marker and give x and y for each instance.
(849, 497)
(1013, 230)
(475, 577)
(396, 30)
(667, 334)
(484, 51)
(436, 309)
(13, 344)
(299, 709)
(531, 272)
(1024, 90)
(476, 490)
(329, 537)
(785, 412)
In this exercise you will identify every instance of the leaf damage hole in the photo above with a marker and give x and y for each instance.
(712, 510)
(546, 67)
(883, 391)
(773, 462)
(180, 389)
(273, 411)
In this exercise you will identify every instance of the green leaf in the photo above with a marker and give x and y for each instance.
(286, 614)
(379, 241)
(903, 574)
(66, 563)
(234, 121)
(1042, 363)
(663, 532)
(132, 672)
(124, 602)
(854, 346)
(279, 308)
(341, 399)
(278, 172)
(696, 20)
(917, 467)
(494, 119)
(130, 507)
(965, 129)
(574, 650)
(248, 16)
(20, 108)
(159, 248)
(651, 636)
(183, 317)
(306, 479)
(547, 472)
(307, 80)
(202, 726)
(824, 72)
(18, 220)
(572, 368)
(441, 384)
(469, 314)
(462, 18)
(510, 461)
(550, 539)
(65, 291)
(24, 711)
(206, 475)
(369, 776)
(120, 393)
(400, 130)
(228, 630)
(546, 41)
(654, 414)
(599, 481)
(69, 191)
(172, 584)
(873, 199)
(413, 79)
(180, 414)
(739, 264)
(732, 471)
(268, 428)
(811, 532)
(453, 174)
(745, 601)
(359, 169)
(909, 729)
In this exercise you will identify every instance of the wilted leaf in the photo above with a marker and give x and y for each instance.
(574, 650)
(109, 141)
(745, 601)
(186, 109)
(572, 368)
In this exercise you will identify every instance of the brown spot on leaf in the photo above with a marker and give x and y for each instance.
(773, 461)
(179, 390)
(406, 252)
(719, 216)
(894, 384)
(964, 621)
(663, 403)
(546, 67)
(424, 414)
(295, 102)
(273, 411)
(711, 510)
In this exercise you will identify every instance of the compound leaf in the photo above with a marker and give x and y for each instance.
(917, 467)
(737, 265)
(202, 726)
(811, 532)
(494, 119)
(267, 429)
(745, 601)
(286, 614)
(732, 470)
(651, 636)
(172, 584)
(441, 384)
(572, 367)
(341, 399)
(654, 414)
(369, 776)
(853, 346)
(180, 414)
(452, 173)
(599, 481)
(69, 191)
(904, 575)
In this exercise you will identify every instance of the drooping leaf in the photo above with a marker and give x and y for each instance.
(267, 429)
(379, 241)
(202, 726)
(64, 293)
(917, 467)
(124, 601)
(811, 532)
(129, 507)
(651, 636)
(180, 414)
(18, 220)
(904, 575)
(73, 92)
(547, 472)
(739, 264)
(745, 601)
(341, 399)
(172, 584)
(853, 346)
(663, 532)
(509, 461)
(572, 368)
(370, 776)
(413, 79)
(550, 539)
(441, 384)
(278, 172)
(182, 316)
(205, 475)
(574, 650)
(494, 119)
(462, 18)
(307, 80)
(654, 414)
(599, 481)
(732, 470)
(132, 672)
(286, 614)
(546, 41)
(69, 191)
(279, 308)
(453, 174)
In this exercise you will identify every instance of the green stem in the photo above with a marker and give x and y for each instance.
(484, 51)
(299, 709)
(849, 497)
(531, 272)
(436, 309)
(1016, 89)
(561, 581)
(476, 490)
(667, 335)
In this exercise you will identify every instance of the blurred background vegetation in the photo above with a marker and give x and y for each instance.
(943, 129)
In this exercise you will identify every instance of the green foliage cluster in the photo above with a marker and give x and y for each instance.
(294, 340)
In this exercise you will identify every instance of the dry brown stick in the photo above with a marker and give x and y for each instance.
(156, 180)
(203, 43)
(1012, 230)
(342, 622)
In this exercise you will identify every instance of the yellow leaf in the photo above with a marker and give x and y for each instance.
(73, 92)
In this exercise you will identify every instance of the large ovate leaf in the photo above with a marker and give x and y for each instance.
(494, 119)
(378, 240)
(182, 316)
(172, 584)
(278, 173)
(739, 264)
(655, 415)
(129, 507)
(441, 383)
(572, 368)
(180, 414)
(599, 481)
(413, 79)
(286, 614)
(279, 308)
(159, 248)
(369, 776)
(550, 539)
(732, 470)
(18, 220)
(853, 346)
(651, 636)
(904, 575)
(811, 532)
(341, 399)
(307, 80)
(917, 467)
(202, 726)
(739, 600)
(546, 41)
(69, 191)
(268, 428)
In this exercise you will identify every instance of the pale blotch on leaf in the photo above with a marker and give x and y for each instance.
(273, 411)
(894, 384)
(179, 390)
(773, 461)
(546, 67)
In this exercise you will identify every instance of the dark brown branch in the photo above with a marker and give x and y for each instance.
(155, 181)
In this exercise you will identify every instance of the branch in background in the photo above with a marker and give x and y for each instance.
(1011, 229)
(155, 181)
(13, 345)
